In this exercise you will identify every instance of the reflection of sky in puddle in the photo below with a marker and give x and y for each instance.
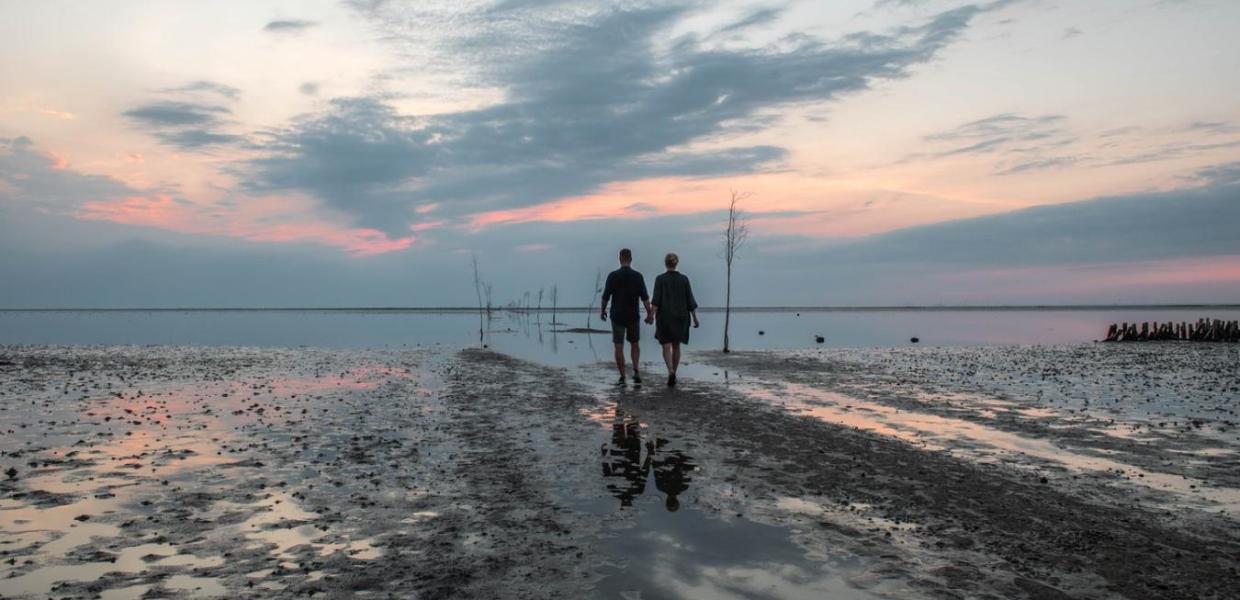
(138, 441)
(656, 548)
(688, 554)
(129, 560)
(278, 526)
(945, 433)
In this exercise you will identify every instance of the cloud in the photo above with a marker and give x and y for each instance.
(357, 157)
(1152, 226)
(309, 88)
(755, 19)
(1022, 144)
(1213, 127)
(175, 114)
(288, 26)
(994, 132)
(188, 139)
(33, 179)
(227, 91)
(187, 124)
(1040, 164)
(630, 104)
(1072, 32)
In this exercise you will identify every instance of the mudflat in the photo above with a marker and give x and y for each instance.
(1090, 471)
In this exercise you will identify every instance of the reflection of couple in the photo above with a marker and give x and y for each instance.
(669, 309)
(623, 460)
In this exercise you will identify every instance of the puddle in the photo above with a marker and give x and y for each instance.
(134, 559)
(659, 543)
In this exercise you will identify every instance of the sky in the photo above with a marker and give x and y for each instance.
(318, 153)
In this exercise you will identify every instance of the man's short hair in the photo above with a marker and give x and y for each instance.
(626, 255)
(671, 260)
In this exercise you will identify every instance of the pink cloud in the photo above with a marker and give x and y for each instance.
(58, 162)
(814, 206)
(58, 114)
(271, 220)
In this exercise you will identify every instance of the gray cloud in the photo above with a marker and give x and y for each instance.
(755, 19)
(288, 26)
(1026, 139)
(309, 88)
(1022, 144)
(624, 107)
(1157, 225)
(175, 114)
(31, 179)
(1172, 151)
(1040, 164)
(188, 124)
(190, 139)
(1002, 129)
(227, 91)
(1213, 127)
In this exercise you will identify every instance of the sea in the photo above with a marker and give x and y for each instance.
(554, 338)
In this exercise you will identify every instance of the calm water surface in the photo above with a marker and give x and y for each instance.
(534, 336)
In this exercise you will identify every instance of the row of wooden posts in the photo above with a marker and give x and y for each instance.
(1204, 330)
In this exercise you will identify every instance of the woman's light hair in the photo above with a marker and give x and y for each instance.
(671, 260)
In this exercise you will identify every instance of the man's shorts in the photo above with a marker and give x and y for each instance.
(623, 331)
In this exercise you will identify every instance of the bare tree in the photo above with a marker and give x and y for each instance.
(540, 295)
(478, 290)
(598, 289)
(555, 298)
(486, 291)
(733, 238)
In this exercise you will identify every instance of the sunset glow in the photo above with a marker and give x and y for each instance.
(353, 131)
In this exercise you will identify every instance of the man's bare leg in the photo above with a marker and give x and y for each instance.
(620, 358)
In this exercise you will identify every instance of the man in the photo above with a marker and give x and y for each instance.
(626, 287)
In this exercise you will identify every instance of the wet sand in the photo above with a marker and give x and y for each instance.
(1092, 471)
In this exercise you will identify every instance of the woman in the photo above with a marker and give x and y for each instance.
(673, 305)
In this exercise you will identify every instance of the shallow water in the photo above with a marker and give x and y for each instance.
(534, 336)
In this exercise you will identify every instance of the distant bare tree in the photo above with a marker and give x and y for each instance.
(478, 290)
(598, 289)
(486, 291)
(555, 299)
(540, 296)
(733, 238)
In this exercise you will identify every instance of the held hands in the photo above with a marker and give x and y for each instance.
(603, 315)
(696, 323)
(649, 319)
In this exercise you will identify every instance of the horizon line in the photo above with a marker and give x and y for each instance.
(521, 309)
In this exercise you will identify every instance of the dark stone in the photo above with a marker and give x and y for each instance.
(914, 339)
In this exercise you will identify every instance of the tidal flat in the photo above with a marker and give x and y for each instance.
(1084, 471)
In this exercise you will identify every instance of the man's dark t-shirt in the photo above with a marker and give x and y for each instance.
(627, 287)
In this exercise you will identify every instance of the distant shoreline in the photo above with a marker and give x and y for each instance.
(582, 309)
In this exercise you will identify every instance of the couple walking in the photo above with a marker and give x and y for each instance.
(670, 309)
